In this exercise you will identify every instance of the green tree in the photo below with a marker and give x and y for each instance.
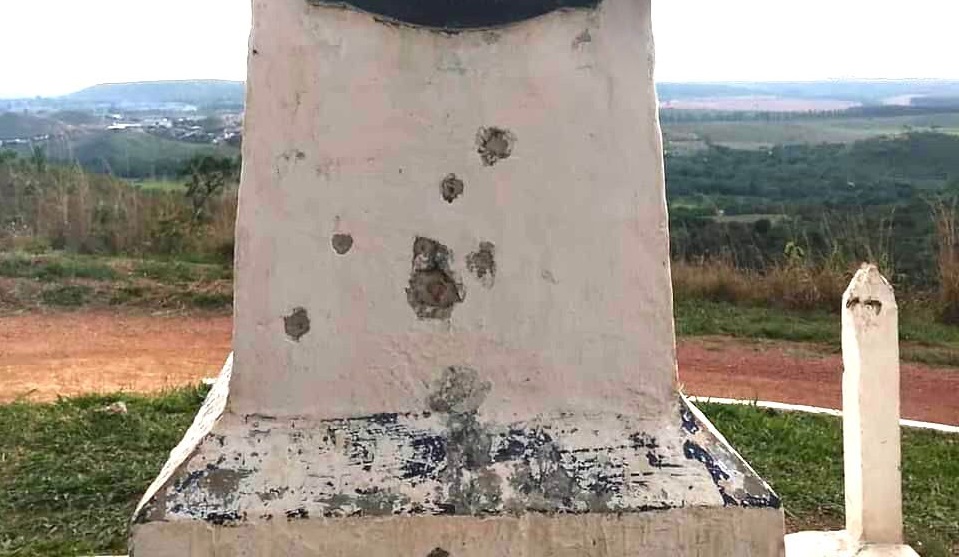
(207, 176)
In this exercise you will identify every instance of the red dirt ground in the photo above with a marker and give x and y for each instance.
(43, 356)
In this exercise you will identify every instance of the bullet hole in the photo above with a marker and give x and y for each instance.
(439, 552)
(582, 39)
(297, 324)
(494, 144)
(451, 187)
(482, 263)
(433, 289)
(342, 243)
(874, 305)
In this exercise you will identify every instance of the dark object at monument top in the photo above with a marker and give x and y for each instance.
(458, 14)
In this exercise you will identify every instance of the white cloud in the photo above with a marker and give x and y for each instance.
(725, 40)
(53, 47)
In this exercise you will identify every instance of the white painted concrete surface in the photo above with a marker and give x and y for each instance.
(352, 125)
(839, 544)
(871, 451)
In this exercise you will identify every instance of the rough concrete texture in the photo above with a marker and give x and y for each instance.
(397, 400)
(870, 393)
(677, 532)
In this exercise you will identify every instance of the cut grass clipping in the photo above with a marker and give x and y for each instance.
(71, 473)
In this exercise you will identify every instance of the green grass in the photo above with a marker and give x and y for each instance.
(173, 272)
(63, 280)
(71, 474)
(703, 317)
(924, 339)
(66, 295)
(55, 266)
(161, 184)
(801, 457)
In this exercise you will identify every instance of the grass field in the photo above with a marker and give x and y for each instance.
(684, 136)
(160, 184)
(60, 280)
(72, 473)
(923, 338)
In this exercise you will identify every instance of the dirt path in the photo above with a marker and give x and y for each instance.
(46, 355)
(799, 374)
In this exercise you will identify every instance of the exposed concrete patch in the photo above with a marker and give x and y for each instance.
(434, 289)
(342, 243)
(473, 487)
(297, 324)
(494, 144)
(459, 390)
(451, 187)
(482, 263)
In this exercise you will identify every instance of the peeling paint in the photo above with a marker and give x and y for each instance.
(446, 460)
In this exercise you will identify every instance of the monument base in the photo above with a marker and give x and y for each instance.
(445, 482)
(675, 533)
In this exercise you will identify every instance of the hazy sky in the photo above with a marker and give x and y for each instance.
(52, 47)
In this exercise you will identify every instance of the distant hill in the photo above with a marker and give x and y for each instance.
(154, 93)
(133, 153)
(861, 91)
(206, 94)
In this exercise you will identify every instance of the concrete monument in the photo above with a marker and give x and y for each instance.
(453, 330)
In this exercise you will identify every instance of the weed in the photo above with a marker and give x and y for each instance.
(54, 266)
(66, 295)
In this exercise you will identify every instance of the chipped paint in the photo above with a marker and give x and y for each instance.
(448, 461)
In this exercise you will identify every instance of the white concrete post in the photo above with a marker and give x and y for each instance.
(870, 393)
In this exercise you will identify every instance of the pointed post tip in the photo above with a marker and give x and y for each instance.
(868, 288)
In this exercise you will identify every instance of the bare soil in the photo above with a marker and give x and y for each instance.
(46, 355)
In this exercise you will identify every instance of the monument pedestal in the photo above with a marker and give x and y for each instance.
(453, 318)
(443, 482)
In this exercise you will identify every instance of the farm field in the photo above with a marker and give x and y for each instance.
(685, 136)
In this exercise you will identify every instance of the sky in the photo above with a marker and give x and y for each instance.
(54, 47)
